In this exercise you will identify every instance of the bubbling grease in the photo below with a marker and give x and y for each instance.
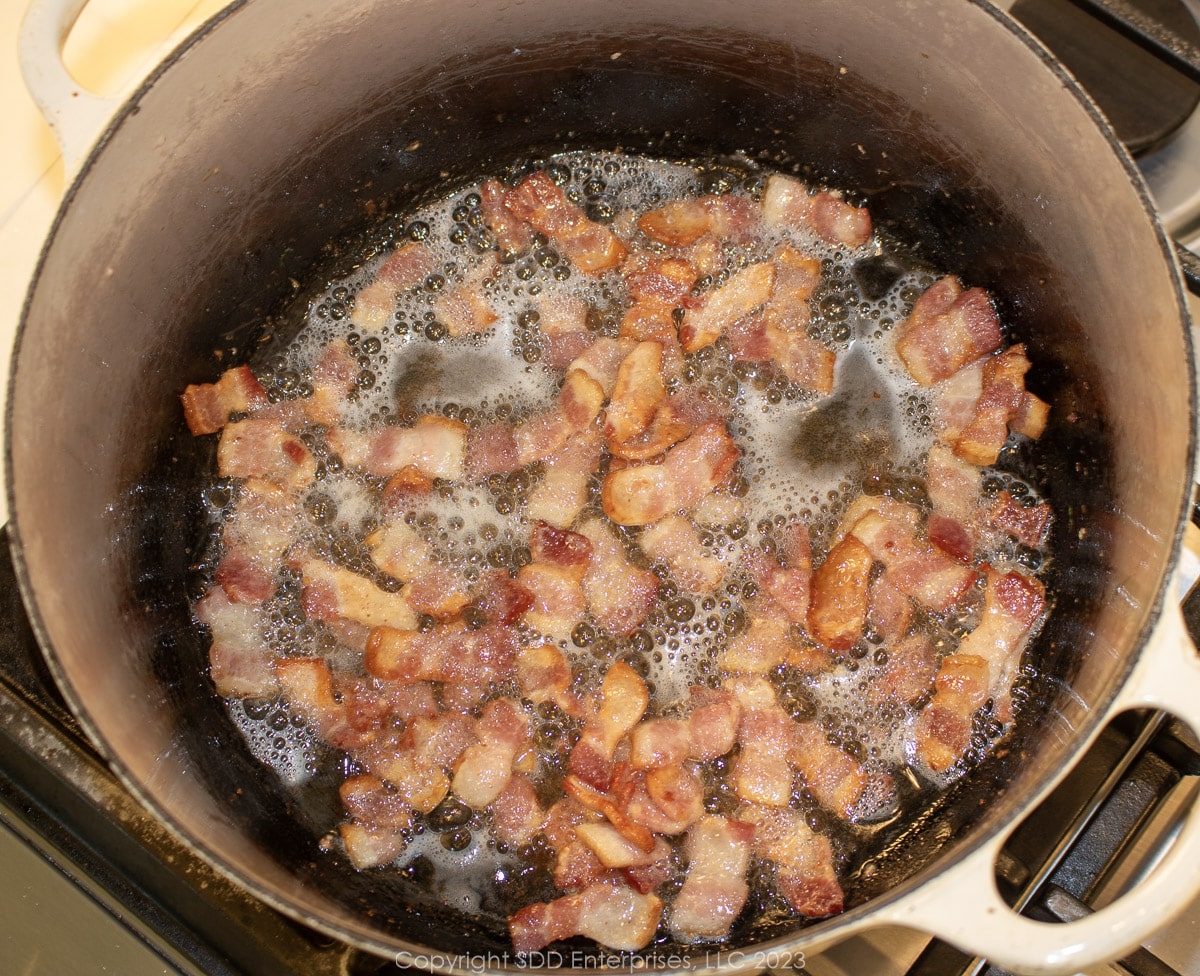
(804, 459)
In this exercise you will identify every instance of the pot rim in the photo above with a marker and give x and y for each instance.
(809, 936)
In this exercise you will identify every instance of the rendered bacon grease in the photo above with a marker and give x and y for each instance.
(624, 551)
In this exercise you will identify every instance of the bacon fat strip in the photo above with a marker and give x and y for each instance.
(644, 493)
(947, 329)
(208, 406)
(715, 889)
(609, 912)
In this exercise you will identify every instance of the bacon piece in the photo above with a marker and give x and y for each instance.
(797, 276)
(802, 858)
(677, 793)
(619, 805)
(484, 768)
(208, 406)
(802, 359)
(835, 779)
(943, 729)
(674, 540)
(929, 576)
(642, 494)
(609, 912)
(330, 592)
(544, 675)
(398, 550)
(745, 291)
(545, 434)
(1027, 524)
(787, 202)
(954, 401)
(406, 267)
(649, 320)
(559, 602)
(307, 684)
(715, 889)
(659, 742)
(490, 449)
(512, 235)
(240, 664)
(908, 674)
(622, 701)
(264, 524)
(888, 610)
(439, 592)
(760, 772)
(662, 281)
(602, 360)
(947, 329)
(450, 653)
(541, 203)
(760, 648)
(563, 491)
(1031, 417)
(713, 722)
(882, 505)
(379, 816)
(667, 428)
(636, 394)
(841, 595)
(683, 222)
(415, 762)
(434, 445)
(619, 595)
(953, 486)
(785, 584)
(1002, 396)
(517, 814)
(500, 599)
(560, 546)
(333, 378)
(614, 850)
(260, 448)
(464, 311)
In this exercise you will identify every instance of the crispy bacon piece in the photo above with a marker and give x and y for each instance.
(398, 550)
(674, 540)
(559, 602)
(264, 524)
(1027, 524)
(713, 722)
(659, 742)
(787, 202)
(943, 729)
(439, 592)
(614, 850)
(512, 235)
(602, 360)
(330, 592)
(666, 800)
(1000, 399)
(715, 889)
(929, 576)
(500, 599)
(485, 768)
(760, 772)
(240, 664)
(260, 448)
(208, 406)
(745, 291)
(785, 584)
(663, 281)
(618, 805)
(307, 684)
(619, 595)
(563, 491)
(637, 393)
(620, 705)
(609, 912)
(434, 445)
(545, 434)
(683, 222)
(802, 858)
(835, 779)
(947, 329)
(450, 653)
(406, 267)
(544, 675)
(374, 834)
(642, 494)
(760, 648)
(543, 204)
(954, 401)
(841, 595)
(651, 320)
(517, 814)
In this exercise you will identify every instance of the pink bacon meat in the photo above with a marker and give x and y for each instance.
(947, 329)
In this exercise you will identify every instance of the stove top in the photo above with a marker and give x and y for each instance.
(95, 884)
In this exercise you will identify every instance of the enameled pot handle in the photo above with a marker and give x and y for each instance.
(76, 116)
(964, 908)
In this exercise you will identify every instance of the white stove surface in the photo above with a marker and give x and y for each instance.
(51, 926)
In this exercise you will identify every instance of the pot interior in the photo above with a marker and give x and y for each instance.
(270, 155)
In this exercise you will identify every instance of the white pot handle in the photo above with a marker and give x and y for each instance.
(76, 116)
(964, 908)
